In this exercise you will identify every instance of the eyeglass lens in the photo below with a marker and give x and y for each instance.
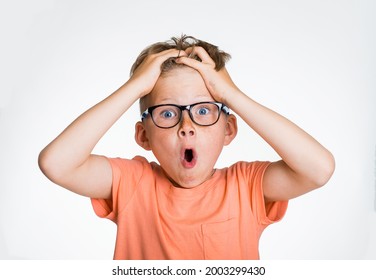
(169, 115)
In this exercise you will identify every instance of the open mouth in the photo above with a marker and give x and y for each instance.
(188, 155)
(189, 158)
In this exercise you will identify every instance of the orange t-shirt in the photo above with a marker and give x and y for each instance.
(222, 218)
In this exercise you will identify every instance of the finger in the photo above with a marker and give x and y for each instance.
(201, 53)
(164, 55)
(193, 63)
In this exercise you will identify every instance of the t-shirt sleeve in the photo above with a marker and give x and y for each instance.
(266, 213)
(125, 177)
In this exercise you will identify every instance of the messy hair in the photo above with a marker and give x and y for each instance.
(180, 43)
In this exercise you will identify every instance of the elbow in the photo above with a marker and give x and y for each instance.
(325, 170)
(43, 162)
(47, 164)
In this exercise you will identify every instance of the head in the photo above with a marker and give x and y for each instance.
(180, 43)
(187, 151)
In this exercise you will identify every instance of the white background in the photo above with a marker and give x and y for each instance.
(311, 61)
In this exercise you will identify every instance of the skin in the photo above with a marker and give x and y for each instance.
(184, 86)
(305, 164)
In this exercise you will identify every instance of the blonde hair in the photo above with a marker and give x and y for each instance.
(180, 43)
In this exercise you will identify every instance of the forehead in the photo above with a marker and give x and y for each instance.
(180, 86)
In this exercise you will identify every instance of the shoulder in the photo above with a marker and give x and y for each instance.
(247, 176)
(133, 168)
(137, 162)
(250, 180)
(248, 169)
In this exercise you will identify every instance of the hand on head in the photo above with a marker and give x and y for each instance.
(218, 82)
(148, 72)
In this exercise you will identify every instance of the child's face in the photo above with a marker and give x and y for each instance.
(187, 152)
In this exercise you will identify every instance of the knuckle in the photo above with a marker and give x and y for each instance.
(198, 48)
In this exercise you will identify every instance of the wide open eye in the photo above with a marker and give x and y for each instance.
(202, 111)
(205, 113)
(168, 114)
(205, 110)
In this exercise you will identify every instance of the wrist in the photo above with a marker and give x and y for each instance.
(135, 89)
(230, 96)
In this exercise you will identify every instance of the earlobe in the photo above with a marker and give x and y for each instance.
(231, 129)
(141, 137)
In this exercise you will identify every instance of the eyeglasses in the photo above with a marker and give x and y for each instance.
(169, 115)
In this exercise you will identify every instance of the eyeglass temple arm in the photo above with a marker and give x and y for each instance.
(144, 114)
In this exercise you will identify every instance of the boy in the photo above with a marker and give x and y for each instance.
(184, 208)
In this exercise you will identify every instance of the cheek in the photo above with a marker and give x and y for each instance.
(214, 140)
(217, 133)
(161, 138)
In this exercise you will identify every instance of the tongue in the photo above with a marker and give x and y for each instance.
(188, 156)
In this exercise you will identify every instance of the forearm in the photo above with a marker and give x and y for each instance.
(305, 164)
(74, 145)
(305, 156)
(67, 160)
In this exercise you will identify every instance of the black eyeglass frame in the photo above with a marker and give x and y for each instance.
(221, 107)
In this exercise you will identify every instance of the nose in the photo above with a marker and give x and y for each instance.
(186, 125)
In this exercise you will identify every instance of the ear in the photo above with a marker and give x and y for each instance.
(141, 136)
(231, 129)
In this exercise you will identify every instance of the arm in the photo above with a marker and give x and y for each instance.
(305, 165)
(67, 160)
